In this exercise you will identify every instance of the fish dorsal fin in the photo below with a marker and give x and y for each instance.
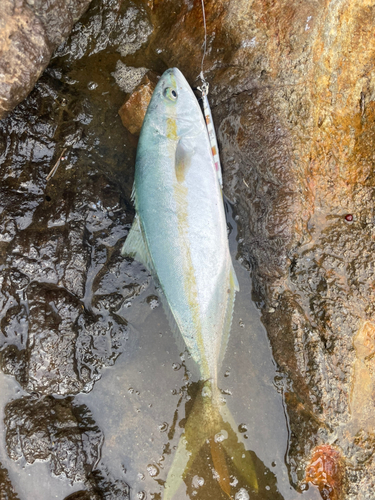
(233, 288)
(184, 153)
(136, 246)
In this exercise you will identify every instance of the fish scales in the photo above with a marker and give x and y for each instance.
(181, 215)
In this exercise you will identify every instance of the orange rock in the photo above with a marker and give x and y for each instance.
(133, 111)
(326, 471)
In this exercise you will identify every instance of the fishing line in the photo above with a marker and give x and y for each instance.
(205, 41)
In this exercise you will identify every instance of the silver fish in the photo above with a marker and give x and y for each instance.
(180, 230)
(180, 234)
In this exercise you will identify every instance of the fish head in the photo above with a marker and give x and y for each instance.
(174, 107)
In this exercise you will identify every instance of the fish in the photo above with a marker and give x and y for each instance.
(179, 233)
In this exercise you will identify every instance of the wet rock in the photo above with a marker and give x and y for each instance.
(123, 27)
(64, 214)
(7, 491)
(103, 486)
(100, 487)
(325, 470)
(64, 433)
(30, 31)
(133, 111)
(80, 495)
(127, 77)
(60, 246)
(52, 429)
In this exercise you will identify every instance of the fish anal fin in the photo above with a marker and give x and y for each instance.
(184, 153)
(135, 245)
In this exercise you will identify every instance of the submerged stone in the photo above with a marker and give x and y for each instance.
(51, 429)
(133, 111)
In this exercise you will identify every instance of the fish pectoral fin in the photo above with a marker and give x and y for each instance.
(135, 245)
(184, 153)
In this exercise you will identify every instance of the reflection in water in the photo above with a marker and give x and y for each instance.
(210, 457)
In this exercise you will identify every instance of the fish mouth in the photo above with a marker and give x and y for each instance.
(181, 82)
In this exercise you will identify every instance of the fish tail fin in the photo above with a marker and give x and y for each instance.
(210, 428)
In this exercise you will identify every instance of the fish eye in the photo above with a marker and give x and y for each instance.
(170, 94)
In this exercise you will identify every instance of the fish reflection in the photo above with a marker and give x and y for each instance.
(211, 458)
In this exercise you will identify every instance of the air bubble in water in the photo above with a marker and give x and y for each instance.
(92, 85)
(242, 494)
(221, 436)
(242, 428)
(197, 482)
(152, 470)
(154, 304)
(163, 427)
(234, 481)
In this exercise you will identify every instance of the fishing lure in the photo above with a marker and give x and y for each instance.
(210, 128)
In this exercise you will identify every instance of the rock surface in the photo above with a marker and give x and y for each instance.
(29, 33)
(7, 491)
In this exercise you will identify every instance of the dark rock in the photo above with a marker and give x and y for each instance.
(7, 491)
(103, 486)
(109, 25)
(29, 33)
(52, 429)
(63, 283)
(63, 433)
(80, 495)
